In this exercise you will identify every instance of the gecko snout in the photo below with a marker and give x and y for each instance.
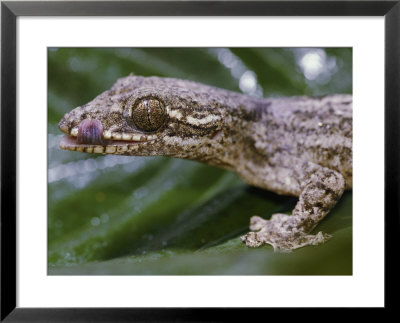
(63, 126)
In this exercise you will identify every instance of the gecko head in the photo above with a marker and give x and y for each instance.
(145, 116)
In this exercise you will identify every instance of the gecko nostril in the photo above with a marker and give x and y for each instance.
(90, 132)
(63, 126)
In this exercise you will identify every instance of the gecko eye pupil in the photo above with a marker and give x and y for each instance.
(148, 114)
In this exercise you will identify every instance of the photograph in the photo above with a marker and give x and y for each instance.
(200, 161)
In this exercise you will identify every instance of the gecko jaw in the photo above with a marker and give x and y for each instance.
(91, 138)
(107, 147)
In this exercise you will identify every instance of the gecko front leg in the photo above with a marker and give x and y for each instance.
(320, 190)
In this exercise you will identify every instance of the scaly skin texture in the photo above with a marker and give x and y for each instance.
(297, 146)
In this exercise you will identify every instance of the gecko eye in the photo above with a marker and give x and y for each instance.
(148, 114)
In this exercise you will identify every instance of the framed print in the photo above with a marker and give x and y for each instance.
(196, 155)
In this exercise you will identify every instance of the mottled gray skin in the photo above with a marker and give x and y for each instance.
(297, 146)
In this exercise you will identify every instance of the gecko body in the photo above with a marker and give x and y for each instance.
(298, 146)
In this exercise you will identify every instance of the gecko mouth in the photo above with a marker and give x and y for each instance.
(91, 137)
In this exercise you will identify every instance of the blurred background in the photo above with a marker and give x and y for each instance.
(117, 215)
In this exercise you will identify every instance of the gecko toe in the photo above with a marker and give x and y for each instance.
(251, 240)
(257, 223)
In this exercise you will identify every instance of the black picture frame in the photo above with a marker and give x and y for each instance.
(10, 10)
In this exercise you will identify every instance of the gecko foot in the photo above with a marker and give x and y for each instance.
(279, 234)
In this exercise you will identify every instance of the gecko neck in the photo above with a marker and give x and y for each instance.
(236, 144)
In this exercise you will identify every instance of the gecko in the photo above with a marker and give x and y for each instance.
(298, 146)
